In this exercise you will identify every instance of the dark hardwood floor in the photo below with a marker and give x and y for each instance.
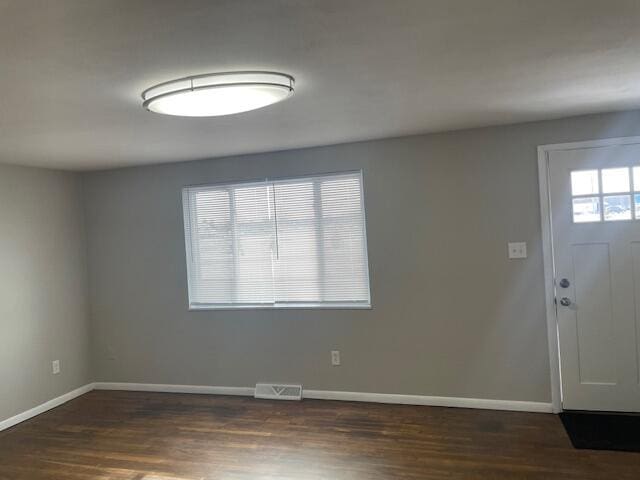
(155, 436)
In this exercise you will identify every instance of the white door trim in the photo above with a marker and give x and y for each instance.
(547, 251)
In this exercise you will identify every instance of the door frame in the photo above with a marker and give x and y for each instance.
(547, 251)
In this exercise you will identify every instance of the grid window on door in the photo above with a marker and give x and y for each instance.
(606, 194)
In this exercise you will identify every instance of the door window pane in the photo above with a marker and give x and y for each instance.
(637, 203)
(585, 182)
(617, 207)
(615, 180)
(586, 209)
(636, 179)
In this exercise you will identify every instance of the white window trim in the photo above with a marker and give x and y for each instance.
(195, 306)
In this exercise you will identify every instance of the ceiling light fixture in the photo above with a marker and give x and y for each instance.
(215, 94)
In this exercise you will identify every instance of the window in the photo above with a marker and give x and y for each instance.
(609, 194)
(297, 242)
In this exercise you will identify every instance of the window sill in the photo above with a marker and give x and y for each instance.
(195, 308)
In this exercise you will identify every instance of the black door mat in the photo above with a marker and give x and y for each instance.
(603, 431)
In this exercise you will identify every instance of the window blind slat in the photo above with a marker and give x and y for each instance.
(283, 243)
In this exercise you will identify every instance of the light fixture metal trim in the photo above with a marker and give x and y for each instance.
(281, 86)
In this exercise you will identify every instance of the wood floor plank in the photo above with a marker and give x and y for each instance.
(155, 436)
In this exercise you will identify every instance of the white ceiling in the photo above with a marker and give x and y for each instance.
(71, 71)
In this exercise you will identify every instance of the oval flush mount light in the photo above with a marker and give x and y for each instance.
(215, 94)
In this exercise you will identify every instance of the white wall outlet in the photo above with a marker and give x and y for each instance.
(517, 249)
(335, 357)
(55, 367)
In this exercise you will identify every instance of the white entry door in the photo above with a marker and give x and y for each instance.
(595, 210)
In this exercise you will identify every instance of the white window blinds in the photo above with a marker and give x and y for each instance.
(297, 242)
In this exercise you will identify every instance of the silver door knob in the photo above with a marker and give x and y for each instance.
(565, 302)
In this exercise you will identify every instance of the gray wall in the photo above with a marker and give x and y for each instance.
(451, 315)
(43, 292)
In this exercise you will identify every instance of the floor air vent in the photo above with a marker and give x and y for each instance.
(278, 391)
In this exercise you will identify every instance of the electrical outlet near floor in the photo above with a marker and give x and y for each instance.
(55, 367)
(335, 357)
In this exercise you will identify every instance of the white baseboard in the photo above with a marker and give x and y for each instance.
(21, 417)
(460, 402)
(165, 388)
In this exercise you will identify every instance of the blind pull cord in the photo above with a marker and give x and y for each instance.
(275, 216)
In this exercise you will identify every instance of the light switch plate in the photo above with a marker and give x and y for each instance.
(517, 249)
